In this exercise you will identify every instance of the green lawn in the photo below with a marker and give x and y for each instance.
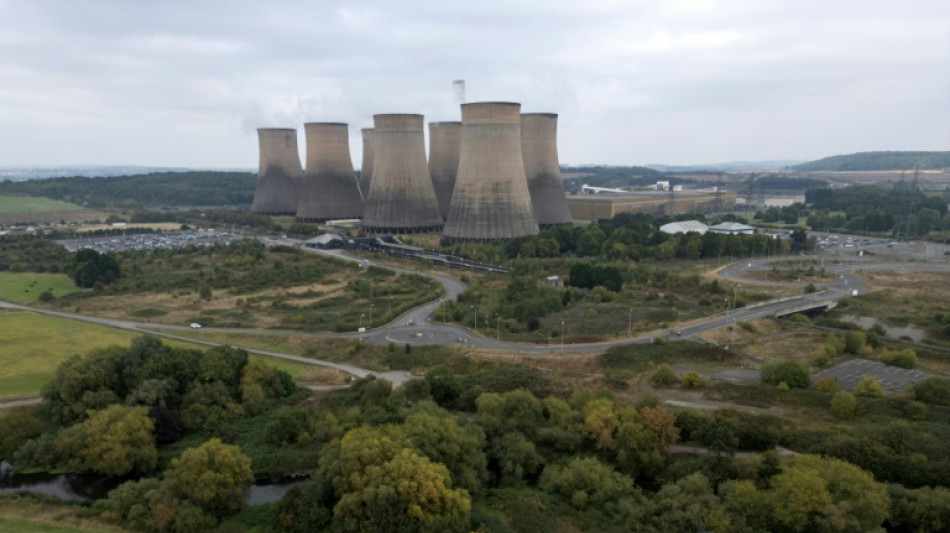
(25, 287)
(32, 204)
(19, 526)
(32, 346)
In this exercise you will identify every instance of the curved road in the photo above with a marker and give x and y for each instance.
(417, 327)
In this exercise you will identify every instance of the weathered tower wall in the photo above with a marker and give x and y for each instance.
(539, 149)
(329, 190)
(445, 142)
(366, 169)
(278, 172)
(401, 197)
(490, 201)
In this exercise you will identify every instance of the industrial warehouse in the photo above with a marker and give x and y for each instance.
(493, 176)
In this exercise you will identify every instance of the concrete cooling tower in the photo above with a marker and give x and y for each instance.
(278, 172)
(539, 148)
(401, 198)
(491, 201)
(329, 189)
(445, 141)
(366, 169)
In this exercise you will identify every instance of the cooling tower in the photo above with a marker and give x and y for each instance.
(445, 140)
(401, 198)
(491, 200)
(366, 169)
(329, 189)
(539, 148)
(278, 173)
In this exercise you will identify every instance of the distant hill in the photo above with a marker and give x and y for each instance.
(730, 166)
(205, 188)
(879, 161)
(92, 171)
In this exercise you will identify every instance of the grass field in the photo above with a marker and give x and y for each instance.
(26, 514)
(31, 204)
(25, 287)
(32, 346)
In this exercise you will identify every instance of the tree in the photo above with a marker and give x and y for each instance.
(214, 476)
(16, 427)
(115, 441)
(718, 436)
(869, 387)
(935, 390)
(384, 486)
(843, 405)
(306, 507)
(664, 377)
(516, 458)
(442, 440)
(444, 385)
(586, 482)
(789, 371)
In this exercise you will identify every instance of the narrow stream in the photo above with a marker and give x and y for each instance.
(90, 487)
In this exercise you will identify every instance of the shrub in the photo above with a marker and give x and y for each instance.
(691, 381)
(935, 390)
(869, 387)
(827, 384)
(794, 373)
(664, 377)
(915, 410)
(906, 358)
(843, 405)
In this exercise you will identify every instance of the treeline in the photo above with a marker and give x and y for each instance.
(148, 190)
(629, 236)
(469, 447)
(879, 161)
(32, 253)
(871, 208)
(779, 182)
(604, 176)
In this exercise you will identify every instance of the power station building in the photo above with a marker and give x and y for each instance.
(329, 190)
(598, 206)
(401, 198)
(539, 149)
(278, 172)
(490, 201)
(445, 143)
(366, 169)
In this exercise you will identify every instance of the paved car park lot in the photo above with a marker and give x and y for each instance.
(892, 378)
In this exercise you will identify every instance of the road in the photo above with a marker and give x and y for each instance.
(417, 326)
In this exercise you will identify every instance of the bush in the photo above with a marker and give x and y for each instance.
(869, 388)
(906, 358)
(935, 390)
(691, 381)
(664, 377)
(843, 405)
(827, 384)
(586, 482)
(915, 410)
(793, 373)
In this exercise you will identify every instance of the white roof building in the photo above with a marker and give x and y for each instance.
(684, 226)
(732, 228)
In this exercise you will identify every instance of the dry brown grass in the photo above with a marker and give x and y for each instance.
(25, 509)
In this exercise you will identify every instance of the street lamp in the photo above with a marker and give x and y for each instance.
(361, 320)
(734, 302)
(630, 323)
(442, 305)
(497, 327)
(389, 312)
(370, 316)
(562, 336)
(475, 317)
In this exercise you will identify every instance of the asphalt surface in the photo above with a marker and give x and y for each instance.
(418, 326)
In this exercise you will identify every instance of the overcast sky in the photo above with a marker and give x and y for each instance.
(185, 83)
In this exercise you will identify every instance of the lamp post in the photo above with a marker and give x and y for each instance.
(497, 327)
(475, 317)
(370, 316)
(562, 336)
(389, 312)
(734, 312)
(361, 320)
(630, 323)
(442, 305)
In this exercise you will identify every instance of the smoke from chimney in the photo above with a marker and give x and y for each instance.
(458, 87)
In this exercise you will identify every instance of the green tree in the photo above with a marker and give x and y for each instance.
(789, 371)
(586, 482)
(935, 390)
(114, 441)
(16, 427)
(444, 385)
(214, 476)
(442, 440)
(664, 376)
(843, 405)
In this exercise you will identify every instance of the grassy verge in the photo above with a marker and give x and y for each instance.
(29, 514)
(32, 204)
(26, 287)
